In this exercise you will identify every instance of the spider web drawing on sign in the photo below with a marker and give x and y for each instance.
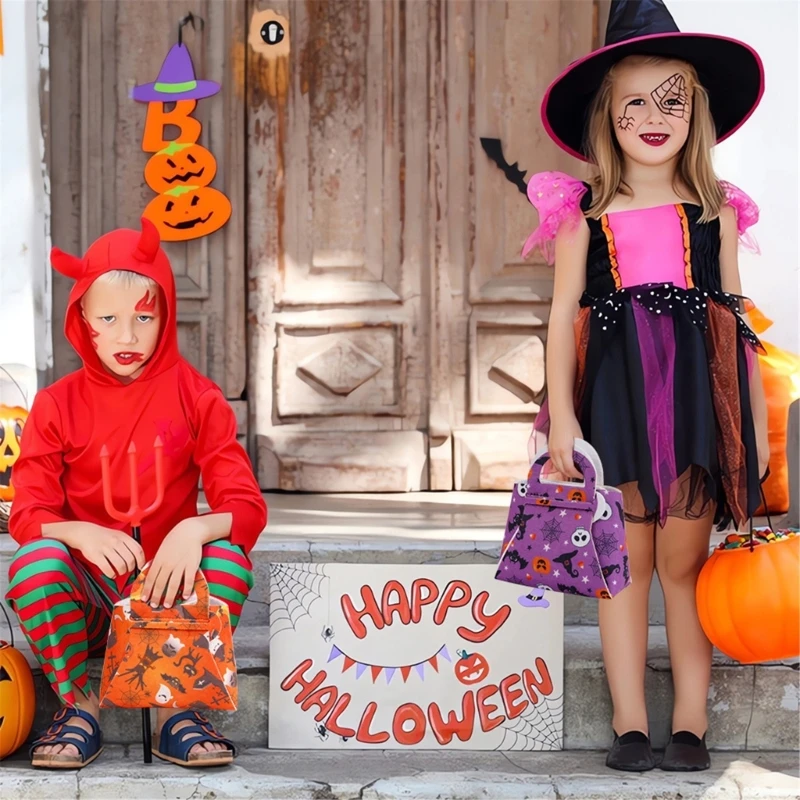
(293, 588)
(539, 728)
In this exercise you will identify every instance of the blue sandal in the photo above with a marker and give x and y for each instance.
(174, 746)
(89, 745)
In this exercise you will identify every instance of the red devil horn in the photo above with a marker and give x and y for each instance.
(66, 264)
(149, 242)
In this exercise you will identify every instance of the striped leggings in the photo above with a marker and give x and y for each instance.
(65, 612)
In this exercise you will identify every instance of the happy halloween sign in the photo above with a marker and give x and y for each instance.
(408, 656)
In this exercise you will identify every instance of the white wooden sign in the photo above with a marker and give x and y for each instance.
(366, 656)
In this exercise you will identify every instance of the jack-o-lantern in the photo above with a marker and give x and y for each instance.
(180, 164)
(12, 421)
(541, 564)
(188, 212)
(577, 495)
(17, 699)
(743, 581)
(471, 668)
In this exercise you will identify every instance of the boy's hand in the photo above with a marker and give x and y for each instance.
(176, 563)
(114, 552)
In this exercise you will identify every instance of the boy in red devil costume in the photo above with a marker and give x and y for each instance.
(75, 561)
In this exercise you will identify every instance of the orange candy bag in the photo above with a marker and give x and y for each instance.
(179, 657)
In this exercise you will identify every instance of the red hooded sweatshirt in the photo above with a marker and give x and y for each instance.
(57, 476)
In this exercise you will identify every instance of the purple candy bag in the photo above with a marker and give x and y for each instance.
(568, 538)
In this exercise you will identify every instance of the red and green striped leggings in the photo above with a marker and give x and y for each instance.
(64, 612)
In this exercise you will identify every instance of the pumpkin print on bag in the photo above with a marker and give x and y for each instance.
(188, 212)
(180, 164)
(17, 699)
(12, 421)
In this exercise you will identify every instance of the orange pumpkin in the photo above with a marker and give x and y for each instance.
(180, 164)
(471, 668)
(188, 212)
(747, 599)
(12, 421)
(17, 699)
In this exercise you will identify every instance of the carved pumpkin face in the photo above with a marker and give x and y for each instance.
(744, 574)
(188, 212)
(17, 699)
(180, 164)
(577, 496)
(603, 594)
(12, 421)
(471, 668)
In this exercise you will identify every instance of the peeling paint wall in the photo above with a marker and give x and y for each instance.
(24, 222)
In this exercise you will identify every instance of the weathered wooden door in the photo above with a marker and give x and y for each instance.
(93, 136)
(339, 262)
(491, 307)
(396, 339)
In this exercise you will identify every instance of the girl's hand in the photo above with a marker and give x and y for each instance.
(114, 552)
(564, 430)
(176, 563)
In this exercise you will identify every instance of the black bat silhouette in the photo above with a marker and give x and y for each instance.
(494, 149)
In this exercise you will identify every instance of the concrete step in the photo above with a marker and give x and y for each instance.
(421, 528)
(751, 707)
(422, 775)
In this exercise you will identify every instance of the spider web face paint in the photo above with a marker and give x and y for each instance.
(672, 97)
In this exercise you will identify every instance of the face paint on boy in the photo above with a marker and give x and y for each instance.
(124, 326)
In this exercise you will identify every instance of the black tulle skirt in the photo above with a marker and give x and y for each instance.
(663, 394)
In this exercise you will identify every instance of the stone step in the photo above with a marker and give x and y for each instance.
(750, 707)
(420, 528)
(423, 775)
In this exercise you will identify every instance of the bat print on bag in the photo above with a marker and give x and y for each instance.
(625, 573)
(567, 589)
(173, 682)
(514, 556)
(520, 522)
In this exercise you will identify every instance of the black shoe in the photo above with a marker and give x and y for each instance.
(631, 752)
(686, 753)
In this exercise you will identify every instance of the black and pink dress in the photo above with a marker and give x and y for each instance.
(662, 388)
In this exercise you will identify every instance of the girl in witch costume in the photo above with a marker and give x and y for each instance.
(74, 562)
(649, 357)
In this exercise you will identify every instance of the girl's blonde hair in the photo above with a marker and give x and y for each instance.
(694, 171)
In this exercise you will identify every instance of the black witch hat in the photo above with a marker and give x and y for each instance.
(731, 71)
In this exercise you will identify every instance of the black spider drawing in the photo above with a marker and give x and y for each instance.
(321, 731)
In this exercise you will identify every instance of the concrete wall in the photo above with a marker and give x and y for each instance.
(26, 342)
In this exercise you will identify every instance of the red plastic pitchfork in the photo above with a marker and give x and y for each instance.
(134, 516)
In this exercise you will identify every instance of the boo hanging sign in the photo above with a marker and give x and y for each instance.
(180, 171)
(366, 656)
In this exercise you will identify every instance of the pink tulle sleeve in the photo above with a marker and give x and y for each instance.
(746, 214)
(557, 198)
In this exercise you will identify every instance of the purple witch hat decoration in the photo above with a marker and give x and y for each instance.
(176, 81)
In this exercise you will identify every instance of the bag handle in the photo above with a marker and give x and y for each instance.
(200, 591)
(589, 465)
